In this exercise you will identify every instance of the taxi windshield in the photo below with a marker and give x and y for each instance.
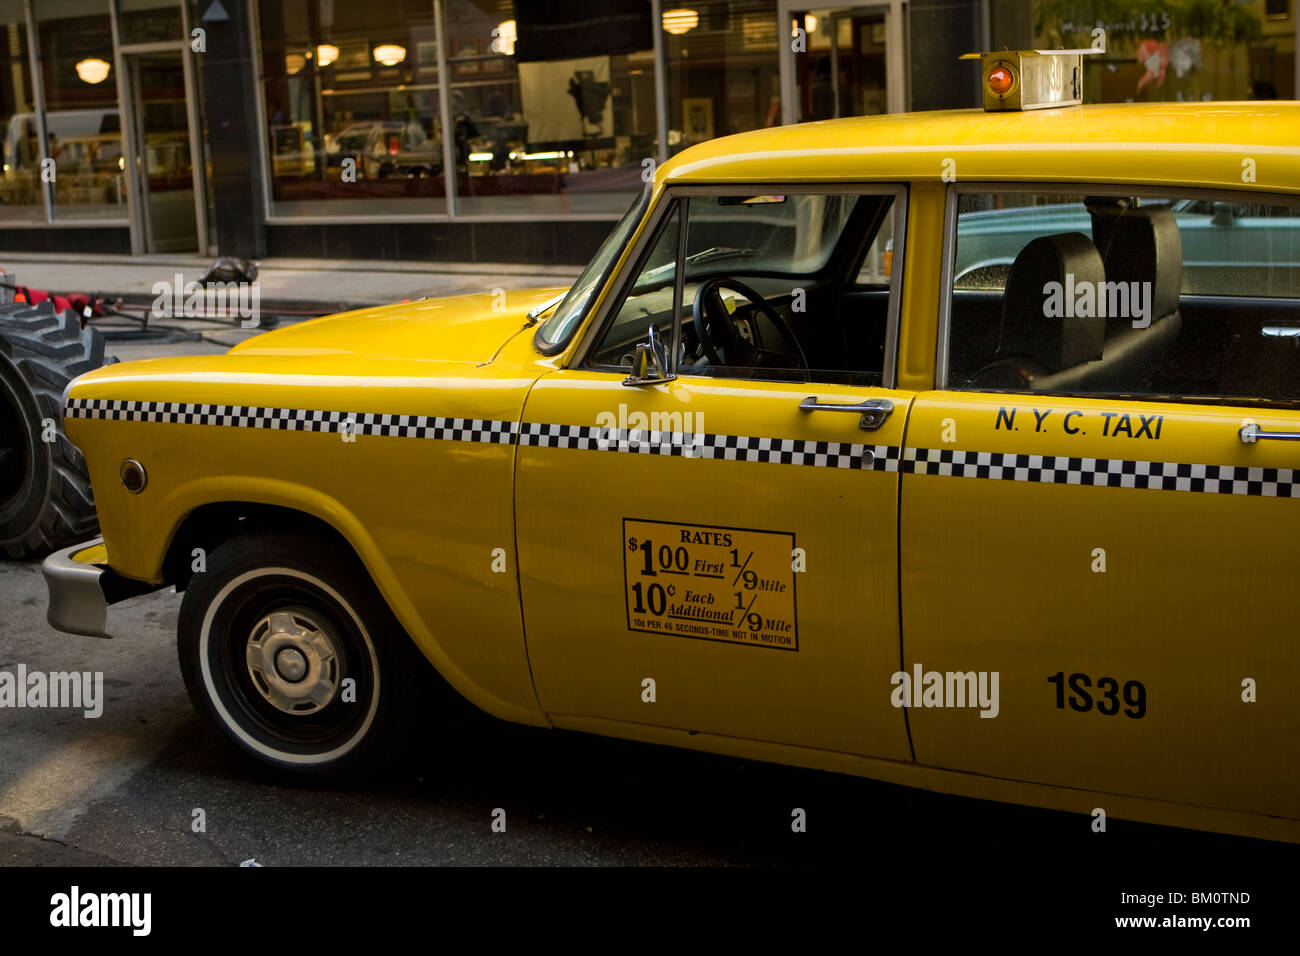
(568, 316)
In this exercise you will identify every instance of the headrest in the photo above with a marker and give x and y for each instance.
(1039, 319)
(1141, 245)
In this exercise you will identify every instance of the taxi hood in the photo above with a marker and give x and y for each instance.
(466, 328)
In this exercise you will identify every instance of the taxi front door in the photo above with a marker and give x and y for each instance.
(739, 583)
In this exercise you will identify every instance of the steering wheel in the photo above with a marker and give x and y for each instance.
(728, 335)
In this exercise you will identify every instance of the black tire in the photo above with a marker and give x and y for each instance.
(45, 497)
(266, 717)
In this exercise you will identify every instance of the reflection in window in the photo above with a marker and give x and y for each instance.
(82, 120)
(1165, 296)
(776, 288)
(166, 175)
(1173, 51)
(352, 100)
(20, 150)
(648, 302)
(852, 42)
(570, 312)
(722, 71)
(561, 136)
(351, 104)
(150, 21)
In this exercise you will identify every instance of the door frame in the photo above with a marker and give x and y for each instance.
(751, 410)
(897, 95)
(125, 57)
(618, 282)
(1215, 416)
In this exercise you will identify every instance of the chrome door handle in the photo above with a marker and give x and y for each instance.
(874, 411)
(1251, 433)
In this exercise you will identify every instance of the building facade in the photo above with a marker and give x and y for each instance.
(499, 130)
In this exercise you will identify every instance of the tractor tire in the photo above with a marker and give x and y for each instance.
(45, 497)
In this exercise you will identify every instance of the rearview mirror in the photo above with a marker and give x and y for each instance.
(650, 365)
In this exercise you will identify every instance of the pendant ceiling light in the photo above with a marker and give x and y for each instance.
(390, 54)
(93, 70)
(680, 21)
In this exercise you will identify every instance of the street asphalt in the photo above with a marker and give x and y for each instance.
(124, 788)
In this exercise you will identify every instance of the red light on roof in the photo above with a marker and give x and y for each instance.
(1001, 80)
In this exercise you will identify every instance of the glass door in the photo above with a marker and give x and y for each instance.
(163, 154)
(848, 61)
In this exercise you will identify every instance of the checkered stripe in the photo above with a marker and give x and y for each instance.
(297, 419)
(785, 451)
(1108, 472)
(1047, 469)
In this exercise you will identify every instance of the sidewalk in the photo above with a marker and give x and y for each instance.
(291, 290)
(328, 285)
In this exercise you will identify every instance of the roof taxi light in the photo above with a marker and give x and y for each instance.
(1001, 80)
(1034, 79)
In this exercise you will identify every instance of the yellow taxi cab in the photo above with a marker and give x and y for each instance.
(956, 450)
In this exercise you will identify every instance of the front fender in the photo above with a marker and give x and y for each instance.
(479, 669)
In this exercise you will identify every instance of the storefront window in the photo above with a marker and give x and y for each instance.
(352, 110)
(1165, 50)
(20, 159)
(82, 120)
(548, 137)
(722, 69)
(150, 21)
(844, 72)
(354, 121)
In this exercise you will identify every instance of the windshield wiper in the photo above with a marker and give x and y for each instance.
(704, 255)
(536, 311)
(719, 252)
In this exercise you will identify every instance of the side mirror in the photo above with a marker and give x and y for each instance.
(650, 365)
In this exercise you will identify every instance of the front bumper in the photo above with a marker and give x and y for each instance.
(80, 590)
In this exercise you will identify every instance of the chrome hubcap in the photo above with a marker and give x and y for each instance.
(291, 664)
(293, 661)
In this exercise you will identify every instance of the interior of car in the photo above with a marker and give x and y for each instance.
(777, 288)
(1166, 342)
(1097, 348)
(798, 288)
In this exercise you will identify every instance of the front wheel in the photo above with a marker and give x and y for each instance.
(288, 650)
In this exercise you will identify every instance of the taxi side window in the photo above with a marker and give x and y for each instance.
(1177, 298)
(775, 287)
(878, 264)
(649, 300)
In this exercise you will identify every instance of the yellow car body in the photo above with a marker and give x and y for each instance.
(511, 561)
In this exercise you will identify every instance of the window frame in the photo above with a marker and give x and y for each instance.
(952, 200)
(640, 207)
(635, 263)
(620, 284)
